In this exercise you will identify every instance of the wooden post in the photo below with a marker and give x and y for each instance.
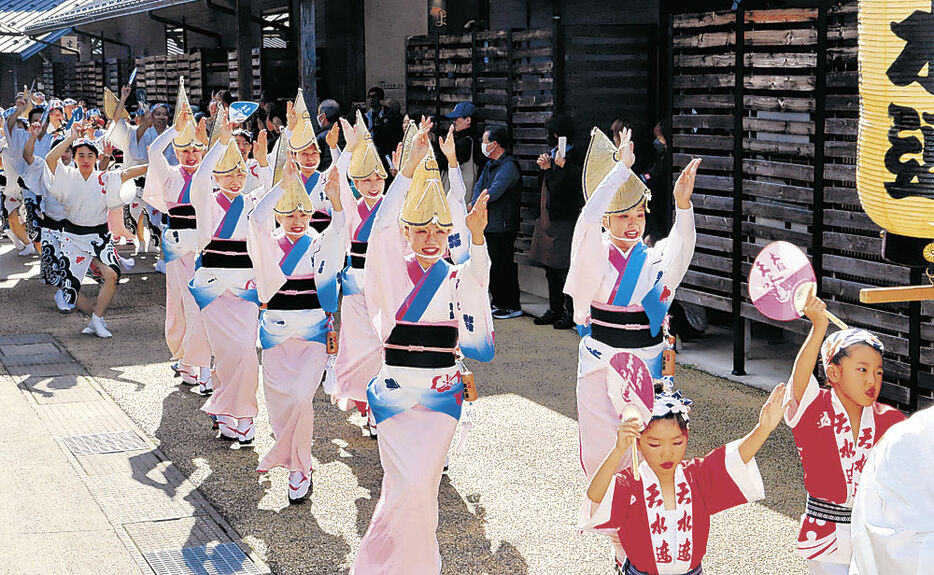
(302, 36)
(914, 343)
(437, 39)
(245, 41)
(557, 57)
(739, 326)
(820, 97)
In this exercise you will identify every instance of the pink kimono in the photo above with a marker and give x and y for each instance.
(621, 301)
(422, 316)
(668, 542)
(224, 288)
(360, 352)
(298, 282)
(168, 190)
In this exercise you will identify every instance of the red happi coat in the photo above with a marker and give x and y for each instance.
(661, 541)
(832, 461)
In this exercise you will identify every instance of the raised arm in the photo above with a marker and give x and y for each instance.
(202, 184)
(814, 310)
(30, 147)
(626, 432)
(52, 158)
(769, 417)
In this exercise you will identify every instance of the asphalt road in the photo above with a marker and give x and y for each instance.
(509, 502)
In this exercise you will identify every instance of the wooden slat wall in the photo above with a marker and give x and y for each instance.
(508, 75)
(782, 103)
(702, 126)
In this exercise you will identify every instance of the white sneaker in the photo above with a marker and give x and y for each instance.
(160, 266)
(19, 245)
(126, 263)
(62, 305)
(88, 330)
(100, 328)
(299, 487)
(29, 250)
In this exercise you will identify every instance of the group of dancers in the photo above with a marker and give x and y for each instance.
(261, 248)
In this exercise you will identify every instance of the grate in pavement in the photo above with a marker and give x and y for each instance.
(113, 442)
(222, 559)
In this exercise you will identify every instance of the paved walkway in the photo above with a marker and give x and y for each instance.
(82, 488)
(508, 505)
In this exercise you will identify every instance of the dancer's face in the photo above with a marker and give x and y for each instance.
(295, 224)
(626, 228)
(427, 241)
(231, 182)
(243, 144)
(307, 159)
(663, 445)
(189, 157)
(85, 159)
(371, 187)
(858, 376)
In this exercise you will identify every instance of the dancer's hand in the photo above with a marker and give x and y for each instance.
(684, 187)
(626, 151)
(351, 137)
(448, 148)
(333, 135)
(332, 188)
(773, 409)
(627, 432)
(477, 219)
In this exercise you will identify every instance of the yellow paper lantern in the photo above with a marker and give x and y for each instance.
(895, 168)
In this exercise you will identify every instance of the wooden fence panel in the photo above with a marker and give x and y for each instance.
(702, 126)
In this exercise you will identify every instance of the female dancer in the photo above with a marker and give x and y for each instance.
(621, 288)
(359, 355)
(296, 276)
(223, 286)
(424, 309)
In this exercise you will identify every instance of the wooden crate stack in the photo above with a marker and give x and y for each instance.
(257, 72)
(159, 76)
(89, 82)
(47, 79)
(233, 73)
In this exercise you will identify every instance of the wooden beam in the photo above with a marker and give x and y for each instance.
(246, 39)
(896, 294)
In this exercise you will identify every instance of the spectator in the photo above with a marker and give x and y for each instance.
(561, 202)
(654, 173)
(382, 123)
(616, 127)
(501, 177)
(466, 142)
(329, 111)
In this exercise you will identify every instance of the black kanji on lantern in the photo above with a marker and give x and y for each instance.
(912, 178)
(916, 31)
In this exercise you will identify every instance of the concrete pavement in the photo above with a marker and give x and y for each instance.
(508, 505)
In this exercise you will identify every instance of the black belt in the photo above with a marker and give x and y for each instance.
(618, 337)
(296, 301)
(53, 224)
(827, 511)
(357, 254)
(320, 221)
(140, 182)
(73, 228)
(236, 258)
(182, 217)
(436, 336)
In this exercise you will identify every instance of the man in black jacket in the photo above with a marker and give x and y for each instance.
(561, 202)
(502, 179)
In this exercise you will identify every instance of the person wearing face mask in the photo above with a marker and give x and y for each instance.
(329, 112)
(224, 287)
(297, 278)
(621, 287)
(427, 312)
(501, 179)
(561, 202)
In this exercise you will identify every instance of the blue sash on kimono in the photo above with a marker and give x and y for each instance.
(439, 390)
(311, 182)
(352, 281)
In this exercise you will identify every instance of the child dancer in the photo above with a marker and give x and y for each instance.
(87, 195)
(223, 285)
(304, 151)
(424, 310)
(621, 288)
(662, 520)
(359, 355)
(168, 190)
(296, 276)
(834, 431)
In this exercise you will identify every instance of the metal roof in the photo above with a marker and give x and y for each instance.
(17, 15)
(84, 12)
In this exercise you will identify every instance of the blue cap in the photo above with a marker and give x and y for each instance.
(462, 110)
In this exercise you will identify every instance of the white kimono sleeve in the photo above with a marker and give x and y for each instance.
(588, 253)
(474, 317)
(347, 199)
(119, 134)
(202, 188)
(329, 260)
(117, 194)
(460, 240)
(261, 245)
(159, 172)
(677, 250)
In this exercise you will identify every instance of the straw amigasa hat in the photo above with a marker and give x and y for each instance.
(407, 140)
(601, 157)
(181, 100)
(231, 161)
(110, 106)
(425, 202)
(303, 136)
(293, 198)
(365, 159)
(186, 138)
